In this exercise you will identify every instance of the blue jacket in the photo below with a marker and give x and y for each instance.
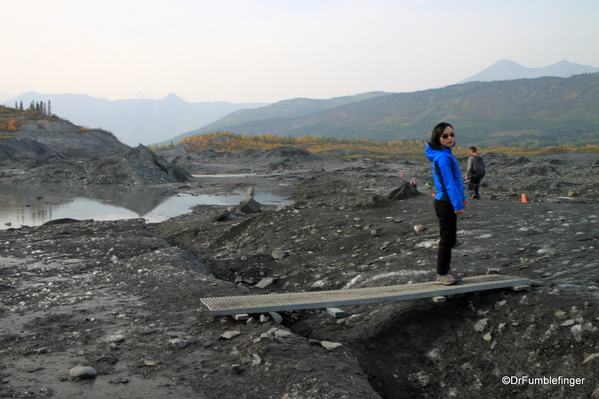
(449, 183)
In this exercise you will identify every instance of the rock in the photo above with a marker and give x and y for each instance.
(568, 323)
(250, 206)
(221, 215)
(265, 282)
(83, 372)
(303, 366)
(591, 358)
(151, 363)
(229, 334)
(276, 317)
(281, 333)
(117, 339)
(242, 317)
(481, 325)
(331, 346)
(576, 331)
(181, 343)
(279, 254)
(403, 192)
(419, 228)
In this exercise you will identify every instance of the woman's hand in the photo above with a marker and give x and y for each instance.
(461, 211)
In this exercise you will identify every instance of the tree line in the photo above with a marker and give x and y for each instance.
(42, 108)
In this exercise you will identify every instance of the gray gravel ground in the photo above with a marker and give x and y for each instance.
(123, 297)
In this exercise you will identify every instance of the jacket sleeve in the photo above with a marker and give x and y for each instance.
(452, 179)
(470, 166)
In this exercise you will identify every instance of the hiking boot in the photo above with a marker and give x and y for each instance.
(456, 276)
(446, 279)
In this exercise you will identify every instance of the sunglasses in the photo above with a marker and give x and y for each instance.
(446, 135)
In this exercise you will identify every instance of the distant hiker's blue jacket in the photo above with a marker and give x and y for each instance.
(447, 175)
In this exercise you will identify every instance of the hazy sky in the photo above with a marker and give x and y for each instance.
(272, 50)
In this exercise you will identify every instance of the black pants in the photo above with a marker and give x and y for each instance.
(448, 229)
(474, 186)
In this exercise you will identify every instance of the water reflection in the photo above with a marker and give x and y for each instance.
(35, 205)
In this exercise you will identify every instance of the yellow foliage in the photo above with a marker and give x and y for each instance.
(13, 124)
(383, 150)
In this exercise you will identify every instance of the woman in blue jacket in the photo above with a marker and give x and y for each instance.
(450, 200)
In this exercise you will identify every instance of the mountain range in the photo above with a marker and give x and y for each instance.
(507, 70)
(171, 119)
(522, 112)
(280, 110)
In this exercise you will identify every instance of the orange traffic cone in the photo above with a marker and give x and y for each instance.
(524, 198)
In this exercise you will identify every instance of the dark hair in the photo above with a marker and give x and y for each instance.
(473, 149)
(436, 135)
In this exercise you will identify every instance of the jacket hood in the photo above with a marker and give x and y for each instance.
(431, 153)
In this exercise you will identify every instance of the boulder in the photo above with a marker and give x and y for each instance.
(404, 191)
(250, 205)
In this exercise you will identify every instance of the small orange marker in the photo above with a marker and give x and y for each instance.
(524, 199)
(401, 175)
(432, 194)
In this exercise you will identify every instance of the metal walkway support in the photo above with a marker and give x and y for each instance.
(230, 305)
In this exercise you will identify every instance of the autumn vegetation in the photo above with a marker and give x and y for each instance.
(11, 118)
(352, 148)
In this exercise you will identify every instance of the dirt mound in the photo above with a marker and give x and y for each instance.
(279, 159)
(139, 166)
(70, 140)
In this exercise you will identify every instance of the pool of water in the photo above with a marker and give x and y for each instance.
(35, 205)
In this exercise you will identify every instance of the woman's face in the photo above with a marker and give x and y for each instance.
(448, 137)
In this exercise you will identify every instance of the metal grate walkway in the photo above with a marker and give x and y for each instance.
(230, 305)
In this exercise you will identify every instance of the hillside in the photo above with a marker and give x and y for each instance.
(134, 121)
(29, 134)
(525, 112)
(281, 110)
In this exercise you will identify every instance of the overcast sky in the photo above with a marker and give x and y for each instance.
(272, 50)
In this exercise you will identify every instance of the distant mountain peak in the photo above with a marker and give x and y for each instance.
(173, 97)
(506, 62)
(508, 70)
